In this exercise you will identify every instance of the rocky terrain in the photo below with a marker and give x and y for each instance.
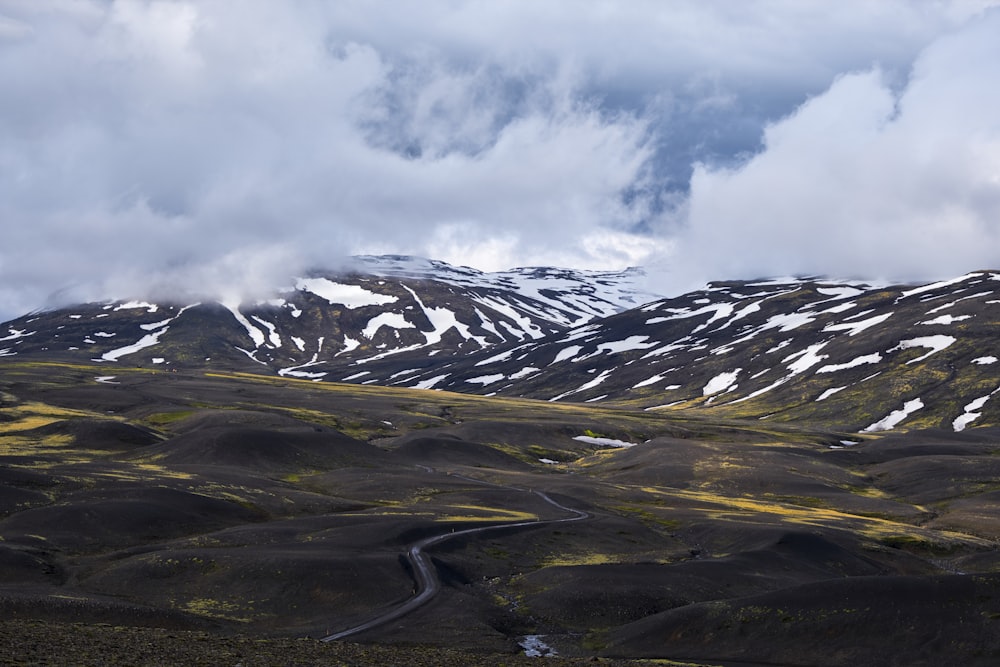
(243, 505)
(796, 472)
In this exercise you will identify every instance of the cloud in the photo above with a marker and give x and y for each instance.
(864, 180)
(217, 146)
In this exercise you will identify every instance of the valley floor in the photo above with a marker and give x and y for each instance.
(210, 518)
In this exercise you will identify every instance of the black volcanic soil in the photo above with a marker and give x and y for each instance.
(56, 644)
(197, 519)
(887, 620)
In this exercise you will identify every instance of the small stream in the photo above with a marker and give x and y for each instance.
(535, 647)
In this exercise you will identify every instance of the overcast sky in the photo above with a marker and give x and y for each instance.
(219, 146)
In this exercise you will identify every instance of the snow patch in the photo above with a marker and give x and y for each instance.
(937, 285)
(566, 353)
(444, 320)
(14, 334)
(630, 343)
(720, 382)
(985, 361)
(292, 372)
(391, 320)
(971, 411)
(807, 358)
(947, 319)
(149, 340)
(256, 335)
(935, 343)
(857, 327)
(431, 382)
(787, 322)
(349, 296)
(587, 385)
(486, 380)
(581, 332)
(503, 356)
(839, 292)
(349, 345)
(607, 442)
(156, 325)
(525, 324)
(129, 305)
(890, 421)
(524, 372)
(272, 331)
(741, 313)
(648, 381)
(828, 393)
(853, 363)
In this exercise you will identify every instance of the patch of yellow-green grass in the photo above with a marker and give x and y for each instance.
(140, 472)
(801, 501)
(240, 612)
(513, 451)
(22, 444)
(579, 559)
(294, 477)
(27, 423)
(721, 507)
(159, 419)
(716, 467)
(38, 408)
(868, 492)
(58, 448)
(535, 452)
(647, 515)
(32, 415)
(487, 514)
(393, 511)
(161, 471)
(598, 457)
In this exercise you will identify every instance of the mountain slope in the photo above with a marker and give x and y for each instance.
(385, 307)
(861, 356)
(851, 355)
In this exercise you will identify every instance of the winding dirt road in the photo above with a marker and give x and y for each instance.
(423, 569)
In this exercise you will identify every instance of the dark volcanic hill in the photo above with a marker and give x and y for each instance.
(855, 356)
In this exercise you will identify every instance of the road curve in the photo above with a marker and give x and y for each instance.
(423, 569)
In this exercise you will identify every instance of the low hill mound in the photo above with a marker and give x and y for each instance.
(265, 450)
(100, 434)
(450, 450)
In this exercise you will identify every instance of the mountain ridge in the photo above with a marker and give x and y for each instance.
(850, 354)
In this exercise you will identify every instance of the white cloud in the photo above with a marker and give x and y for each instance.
(865, 181)
(203, 145)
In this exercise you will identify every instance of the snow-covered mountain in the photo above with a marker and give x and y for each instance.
(859, 356)
(381, 309)
(863, 357)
